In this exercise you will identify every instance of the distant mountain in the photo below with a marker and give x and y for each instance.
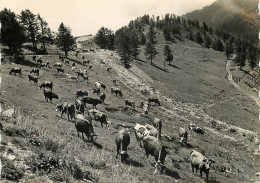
(238, 17)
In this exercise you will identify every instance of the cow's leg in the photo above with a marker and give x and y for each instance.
(201, 172)
(78, 133)
(117, 151)
(192, 168)
(82, 136)
(101, 124)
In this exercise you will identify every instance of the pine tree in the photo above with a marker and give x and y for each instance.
(166, 33)
(43, 32)
(167, 54)
(229, 49)
(150, 51)
(142, 39)
(12, 33)
(151, 34)
(30, 24)
(199, 38)
(64, 39)
(252, 55)
(105, 38)
(134, 45)
(207, 41)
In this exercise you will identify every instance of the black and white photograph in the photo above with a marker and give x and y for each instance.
(130, 91)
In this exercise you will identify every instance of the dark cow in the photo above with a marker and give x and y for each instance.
(197, 129)
(85, 77)
(198, 161)
(122, 142)
(39, 61)
(130, 103)
(57, 64)
(73, 65)
(153, 147)
(80, 73)
(59, 69)
(66, 108)
(50, 95)
(33, 78)
(61, 58)
(91, 50)
(155, 100)
(157, 123)
(84, 125)
(96, 90)
(102, 97)
(114, 82)
(83, 57)
(117, 91)
(90, 67)
(102, 118)
(35, 71)
(84, 62)
(81, 93)
(34, 58)
(16, 71)
(108, 69)
(47, 84)
(80, 107)
(93, 101)
(184, 134)
(103, 85)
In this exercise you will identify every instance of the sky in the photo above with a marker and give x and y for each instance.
(85, 17)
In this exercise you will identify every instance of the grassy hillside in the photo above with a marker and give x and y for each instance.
(194, 89)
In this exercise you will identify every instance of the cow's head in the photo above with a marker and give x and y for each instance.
(58, 107)
(55, 96)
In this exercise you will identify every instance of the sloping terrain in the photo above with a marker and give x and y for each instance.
(195, 89)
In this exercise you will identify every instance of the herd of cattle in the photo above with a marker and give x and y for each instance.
(147, 136)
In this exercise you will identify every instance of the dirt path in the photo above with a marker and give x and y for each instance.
(230, 78)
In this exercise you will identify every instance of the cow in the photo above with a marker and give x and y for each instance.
(155, 100)
(130, 103)
(47, 64)
(34, 58)
(96, 90)
(85, 77)
(102, 97)
(16, 71)
(67, 62)
(59, 69)
(84, 125)
(197, 129)
(66, 108)
(122, 142)
(184, 134)
(93, 101)
(103, 85)
(198, 161)
(108, 69)
(39, 61)
(114, 82)
(117, 91)
(83, 57)
(50, 95)
(91, 50)
(47, 84)
(153, 147)
(81, 93)
(33, 78)
(35, 71)
(157, 123)
(84, 62)
(61, 58)
(80, 107)
(90, 67)
(80, 73)
(97, 85)
(73, 64)
(102, 118)
(57, 64)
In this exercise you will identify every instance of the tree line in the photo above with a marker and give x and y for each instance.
(30, 28)
(141, 31)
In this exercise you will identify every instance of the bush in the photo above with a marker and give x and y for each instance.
(9, 171)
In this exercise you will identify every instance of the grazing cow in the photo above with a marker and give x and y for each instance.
(83, 57)
(103, 85)
(39, 61)
(197, 129)
(184, 134)
(57, 64)
(80, 73)
(73, 68)
(73, 64)
(152, 131)
(96, 90)
(47, 84)
(66, 108)
(35, 71)
(80, 107)
(81, 93)
(85, 77)
(93, 101)
(47, 64)
(16, 71)
(117, 91)
(155, 100)
(102, 97)
(198, 161)
(50, 95)
(97, 85)
(114, 82)
(130, 103)
(67, 62)
(91, 50)
(34, 58)
(153, 147)
(33, 78)
(84, 125)
(90, 66)
(61, 58)
(59, 69)
(102, 118)
(122, 142)
(108, 69)
(85, 50)
(157, 123)
(84, 62)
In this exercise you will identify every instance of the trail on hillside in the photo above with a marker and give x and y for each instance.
(230, 79)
